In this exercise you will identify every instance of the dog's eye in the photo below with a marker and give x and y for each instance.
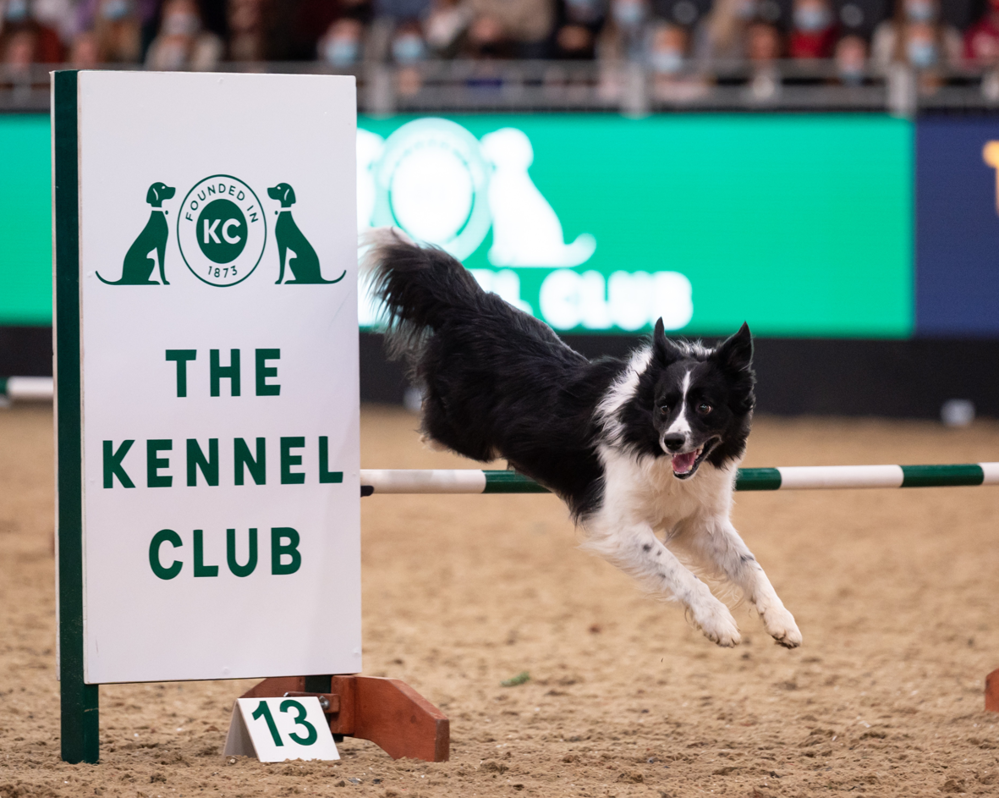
(704, 408)
(664, 410)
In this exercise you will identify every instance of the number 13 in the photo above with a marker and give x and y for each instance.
(263, 711)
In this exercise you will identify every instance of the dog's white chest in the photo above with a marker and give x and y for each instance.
(646, 489)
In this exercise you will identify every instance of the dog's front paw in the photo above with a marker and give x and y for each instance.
(717, 623)
(780, 624)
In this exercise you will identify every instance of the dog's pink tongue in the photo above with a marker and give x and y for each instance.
(683, 463)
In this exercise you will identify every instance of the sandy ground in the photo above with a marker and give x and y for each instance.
(895, 592)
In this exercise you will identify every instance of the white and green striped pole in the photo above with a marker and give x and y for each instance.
(386, 481)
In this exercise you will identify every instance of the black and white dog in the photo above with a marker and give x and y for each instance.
(644, 451)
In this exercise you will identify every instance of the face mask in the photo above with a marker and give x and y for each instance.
(340, 52)
(628, 13)
(666, 62)
(181, 24)
(851, 75)
(922, 53)
(811, 18)
(920, 11)
(407, 49)
(16, 11)
(115, 10)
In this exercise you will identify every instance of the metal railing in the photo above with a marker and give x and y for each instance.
(626, 87)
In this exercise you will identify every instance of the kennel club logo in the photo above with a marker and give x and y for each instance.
(434, 180)
(221, 230)
(221, 234)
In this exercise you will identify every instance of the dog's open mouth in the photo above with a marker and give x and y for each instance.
(686, 464)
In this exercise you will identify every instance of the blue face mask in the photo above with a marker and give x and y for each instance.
(340, 52)
(407, 49)
(920, 11)
(16, 11)
(666, 62)
(811, 18)
(115, 9)
(922, 54)
(851, 75)
(628, 14)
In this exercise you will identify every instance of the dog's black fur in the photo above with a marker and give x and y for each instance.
(498, 382)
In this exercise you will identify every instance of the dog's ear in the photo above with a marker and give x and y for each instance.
(736, 352)
(663, 349)
(153, 195)
(289, 194)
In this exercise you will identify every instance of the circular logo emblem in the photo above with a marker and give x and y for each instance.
(432, 182)
(221, 230)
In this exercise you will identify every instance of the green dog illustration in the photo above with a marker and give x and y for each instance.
(138, 266)
(304, 266)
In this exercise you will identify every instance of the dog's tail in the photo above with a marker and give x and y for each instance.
(421, 287)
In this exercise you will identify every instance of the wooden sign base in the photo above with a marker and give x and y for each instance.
(386, 711)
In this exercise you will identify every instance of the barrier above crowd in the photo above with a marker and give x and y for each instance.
(628, 87)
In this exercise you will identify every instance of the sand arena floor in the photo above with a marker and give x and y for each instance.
(895, 592)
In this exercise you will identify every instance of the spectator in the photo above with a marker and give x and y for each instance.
(60, 15)
(576, 31)
(764, 48)
(341, 45)
(667, 55)
(814, 31)
(851, 56)
(247, 30)
(408, 50)
(518, 28)
(117, 32)
(84, 52)
(722, 35)
(622, 36)
(24, 40)
(980, 42)
(445, 26)
(181, 43)
(916, 36)
(87, 15)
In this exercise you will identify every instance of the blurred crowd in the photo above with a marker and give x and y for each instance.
(676, 40)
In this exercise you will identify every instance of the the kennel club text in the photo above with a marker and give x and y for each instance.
(249, 458)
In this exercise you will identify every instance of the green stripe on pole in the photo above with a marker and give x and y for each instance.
(79, 701)
(758, 479)
(939, 476)
(511, 482)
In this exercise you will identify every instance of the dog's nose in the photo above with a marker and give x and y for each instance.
(673, 442)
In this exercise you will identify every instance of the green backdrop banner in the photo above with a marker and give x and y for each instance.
(25, 220)
(802, 225)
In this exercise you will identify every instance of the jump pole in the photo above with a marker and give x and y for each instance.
(400, 481)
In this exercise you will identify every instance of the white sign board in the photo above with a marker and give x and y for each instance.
(278, 729)
(219, 360)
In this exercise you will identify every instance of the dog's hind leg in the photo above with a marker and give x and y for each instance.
(282, 252)
(161, 253)
(720, 546)
(636, 550)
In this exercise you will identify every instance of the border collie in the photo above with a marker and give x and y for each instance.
(644, 451)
